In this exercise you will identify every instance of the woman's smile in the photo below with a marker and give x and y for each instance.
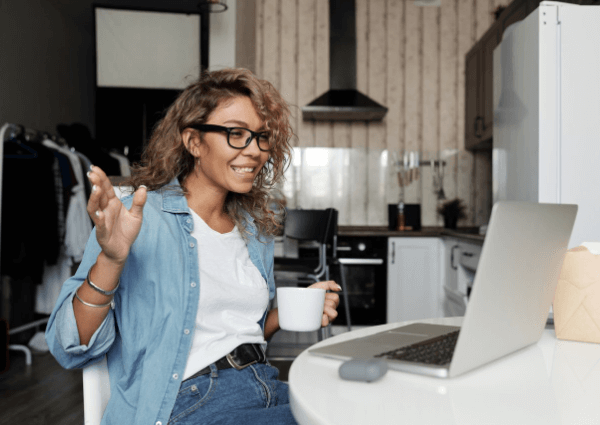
(244, 171)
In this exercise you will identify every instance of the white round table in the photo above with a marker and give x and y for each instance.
(551, 382)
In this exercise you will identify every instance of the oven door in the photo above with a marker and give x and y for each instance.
(366, 291)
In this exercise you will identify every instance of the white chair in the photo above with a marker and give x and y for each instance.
(96, 392)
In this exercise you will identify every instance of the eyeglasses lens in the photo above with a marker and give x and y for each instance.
(240, 137)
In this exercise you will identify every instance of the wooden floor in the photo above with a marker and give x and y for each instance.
(41, 394)
(46, 394)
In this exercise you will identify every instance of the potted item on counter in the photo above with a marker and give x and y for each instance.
(452, 211)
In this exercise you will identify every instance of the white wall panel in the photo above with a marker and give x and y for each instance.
(143, 49)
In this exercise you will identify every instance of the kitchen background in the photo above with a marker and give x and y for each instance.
(410, 59)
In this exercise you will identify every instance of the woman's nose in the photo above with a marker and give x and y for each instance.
(252, 148)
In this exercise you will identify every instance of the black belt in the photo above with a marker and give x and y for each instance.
(241, 357)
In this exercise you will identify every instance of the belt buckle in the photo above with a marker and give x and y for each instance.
(237, 366)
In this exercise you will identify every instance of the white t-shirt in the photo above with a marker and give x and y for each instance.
(233, 297)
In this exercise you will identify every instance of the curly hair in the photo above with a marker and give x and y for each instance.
(165, 157)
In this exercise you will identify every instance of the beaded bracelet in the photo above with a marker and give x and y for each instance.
(98, 289)
(93, 305)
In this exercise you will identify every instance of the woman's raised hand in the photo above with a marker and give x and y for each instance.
(116, 226)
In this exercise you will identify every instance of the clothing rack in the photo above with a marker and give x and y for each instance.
(19, 134)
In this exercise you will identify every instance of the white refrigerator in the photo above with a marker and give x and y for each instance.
(546, 133)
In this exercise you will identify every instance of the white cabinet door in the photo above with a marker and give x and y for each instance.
(415, 278)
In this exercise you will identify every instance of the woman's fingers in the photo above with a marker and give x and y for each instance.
(328, 285)
(103, 185)
(329, 314)
(139, 199)
(103, 181)
(330, 307)
(94, 203)
(332, 300)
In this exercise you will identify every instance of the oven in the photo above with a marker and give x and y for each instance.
(362, 260)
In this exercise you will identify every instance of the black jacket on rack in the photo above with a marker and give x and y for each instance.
(30, 234)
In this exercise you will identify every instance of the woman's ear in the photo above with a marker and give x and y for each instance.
(191, 141)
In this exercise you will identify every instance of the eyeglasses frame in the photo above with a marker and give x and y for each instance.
(220, 128)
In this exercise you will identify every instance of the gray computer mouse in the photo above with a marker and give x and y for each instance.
(365, 370)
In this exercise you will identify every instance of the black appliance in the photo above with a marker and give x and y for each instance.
(412, 216)
(364, 263)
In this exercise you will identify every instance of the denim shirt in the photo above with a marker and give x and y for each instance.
(148, 335)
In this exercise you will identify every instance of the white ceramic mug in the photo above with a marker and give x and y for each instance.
(300, 309)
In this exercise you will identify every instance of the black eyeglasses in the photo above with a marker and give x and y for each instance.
(239, 137)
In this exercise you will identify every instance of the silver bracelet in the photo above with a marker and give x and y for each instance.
(98, 289)
(90, 304)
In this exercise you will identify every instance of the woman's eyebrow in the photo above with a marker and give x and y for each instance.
(245, 125)
(237, 122)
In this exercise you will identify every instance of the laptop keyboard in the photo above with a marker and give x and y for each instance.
(435, 351)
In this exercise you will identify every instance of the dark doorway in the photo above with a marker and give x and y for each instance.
(125, 117)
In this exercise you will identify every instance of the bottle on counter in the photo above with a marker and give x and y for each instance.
(401, 217)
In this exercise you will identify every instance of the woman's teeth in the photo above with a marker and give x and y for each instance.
(243, 170)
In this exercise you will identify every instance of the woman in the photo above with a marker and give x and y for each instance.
(175, 281)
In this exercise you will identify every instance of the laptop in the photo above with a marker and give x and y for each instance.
(514, 285)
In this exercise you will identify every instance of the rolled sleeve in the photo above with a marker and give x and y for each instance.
(62, 335)
(67, 334)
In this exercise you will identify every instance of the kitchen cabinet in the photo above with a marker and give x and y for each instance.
(460, 263)
(479, 112)
(451, 257)
(414, 277)
(518, 11)
(479, 108)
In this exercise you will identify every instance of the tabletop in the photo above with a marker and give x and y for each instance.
(550, 382)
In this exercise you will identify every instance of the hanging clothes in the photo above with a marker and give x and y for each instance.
(78, 136)
(78, 229)
(30, 233)
(45, 224)
(78, 226)
(123, 163)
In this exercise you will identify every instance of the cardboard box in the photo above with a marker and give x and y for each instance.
(577, 298)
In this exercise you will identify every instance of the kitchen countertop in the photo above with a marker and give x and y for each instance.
(470, 234)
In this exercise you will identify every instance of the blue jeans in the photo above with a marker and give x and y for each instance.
(252, 395)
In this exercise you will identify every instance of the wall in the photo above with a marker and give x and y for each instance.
(410, 59)
(47, 69)
(47, 60)
(221, 50)
(245, 34)
(233, 37)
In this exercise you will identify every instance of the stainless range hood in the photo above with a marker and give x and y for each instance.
(343, 102)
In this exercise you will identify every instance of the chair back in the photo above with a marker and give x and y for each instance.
(311, 225)
(96, 392)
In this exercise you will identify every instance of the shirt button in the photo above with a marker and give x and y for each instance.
(188, 221)
(187, 331)
(191, 244)
(175, 376)
(193, 284)
(159, 423)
